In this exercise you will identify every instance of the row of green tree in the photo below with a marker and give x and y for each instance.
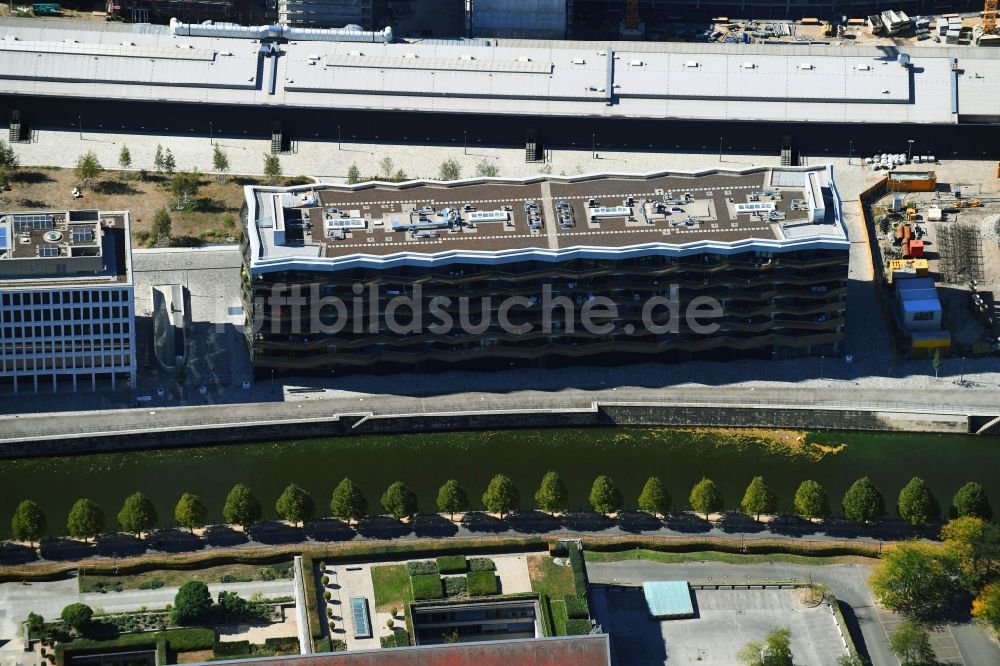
(863, 502)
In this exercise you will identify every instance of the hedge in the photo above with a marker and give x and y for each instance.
(545, 604)
(482, 583)
(559, 549)
(426, 586)
(452, 564)
(482, 564)
(322, 645)
(455, 586)
(231, 648)
(179, 640)
(399, 638)
(337, 645)
(422, 567)
(577, 608)
(312, 601)
(579, 575)
(578, 627)
(288, 644)
(186, 640)
(559, 618)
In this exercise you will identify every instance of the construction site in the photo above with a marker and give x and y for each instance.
(935, 248)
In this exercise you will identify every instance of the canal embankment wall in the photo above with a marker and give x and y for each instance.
(171, 433)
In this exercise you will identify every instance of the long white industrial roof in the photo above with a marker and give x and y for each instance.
(649, 80)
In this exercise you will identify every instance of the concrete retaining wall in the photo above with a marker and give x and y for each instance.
(613, 414)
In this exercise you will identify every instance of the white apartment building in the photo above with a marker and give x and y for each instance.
(67, 319)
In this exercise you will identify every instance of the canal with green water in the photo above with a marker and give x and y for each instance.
(424, 461)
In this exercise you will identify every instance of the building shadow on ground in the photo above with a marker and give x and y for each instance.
(636, 639)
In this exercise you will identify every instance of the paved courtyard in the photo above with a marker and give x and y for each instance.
(725, 621)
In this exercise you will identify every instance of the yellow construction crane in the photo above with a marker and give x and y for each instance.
(989, 17)
(632, 13)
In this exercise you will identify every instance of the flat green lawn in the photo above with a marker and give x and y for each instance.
(547, 578)
(392, 587)
(168, 578)
(559, 616)
(729, 558)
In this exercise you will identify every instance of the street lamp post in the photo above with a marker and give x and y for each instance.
(720, 148)
(79, 122)
(593, 145)
(338, 137)
(850, 152)
(211, 133)
(465, 142)
(909, 152)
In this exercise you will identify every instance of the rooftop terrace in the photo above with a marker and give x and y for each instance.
(494, 217)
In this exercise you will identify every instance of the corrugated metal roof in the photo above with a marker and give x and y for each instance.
(668, 598)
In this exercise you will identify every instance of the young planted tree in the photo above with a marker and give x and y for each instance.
(936, 361)
(452, 498)
(605, 496)
(295, 505)
(705, 498)
(971, 500)
(863, 503)
(169, 163)
(552, 495)
(125, 161)
(916, 504)
(353, 174)
(811, 501)
(85, 521)
(190, 512)
(8, 158)
(400, 501)
(449, 170)
(501, 496)
(185, 186)
(487, 169)
(399, 176)
(162, 224)
(759, 499)
(272, 167)
(220, 163)
(241, 507)
(29, 522)
(912, 644)
(138, 514)
(158, 159)
(347, 502)
(88, 167)
(386, 166)
(654, 497)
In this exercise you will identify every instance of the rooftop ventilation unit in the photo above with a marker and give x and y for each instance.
(748, 65)
(635, 63)
(863, 68)
(805, 65)
(579, 61)
(466, 56)
(691, 63)
(355, 53)
(411, 55)
(523, 59)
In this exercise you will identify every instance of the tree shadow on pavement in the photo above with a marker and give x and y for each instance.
(329, 529)
(733, 523)
(223, 535)
(792, 526)
(533, 522)
(688, 523)
(383, 527)
(586, 521)
(433, 525)
(67, 549)
(635, 522)
(476, 521)
(175, 541)
(15, 553)
(273, 533)
(118, 544)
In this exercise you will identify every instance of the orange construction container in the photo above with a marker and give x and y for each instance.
(916, 248)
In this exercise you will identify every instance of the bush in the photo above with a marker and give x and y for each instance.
(234, 579)
(325, 580)
(327, 595)
(321, 645)
(577, 608)
(426, 586)
(578, 627)
(231, 648)
(452, 564)
(399, 638)
(482, 564)
(287, 644)
(559, 549)
(192, 603)
(422, 567)
(337, 645)
(186, 640)
(77, 616)
(150, 584)
(482, 583)
(329, 612)
(455, 586)
(579, 577)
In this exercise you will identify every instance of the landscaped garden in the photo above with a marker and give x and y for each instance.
(151, 580)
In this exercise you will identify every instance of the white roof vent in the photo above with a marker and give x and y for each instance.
(635, 63)
(128, 44)
(602, 53)
(312, 57)
(885, 91)
(805, 65)
(466, 56)
(691, 63)
(523, 59)
(411, 55)
(748, 65)
(225, 53)
(579, 61)
(863, 68)
(355, 53)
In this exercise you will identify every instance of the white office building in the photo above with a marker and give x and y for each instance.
(67, 320)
